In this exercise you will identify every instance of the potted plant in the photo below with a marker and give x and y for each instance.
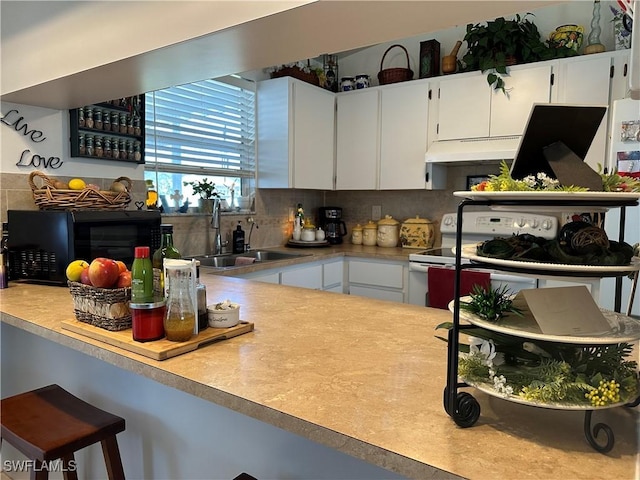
(501, 43)
(207, 191)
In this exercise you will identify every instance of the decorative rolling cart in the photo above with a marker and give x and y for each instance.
(462, 407)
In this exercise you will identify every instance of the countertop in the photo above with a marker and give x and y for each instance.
(362, 376)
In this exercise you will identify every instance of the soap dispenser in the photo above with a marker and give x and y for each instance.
(238, 239)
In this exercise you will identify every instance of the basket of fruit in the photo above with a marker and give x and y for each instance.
(53, 194)
(101, 292)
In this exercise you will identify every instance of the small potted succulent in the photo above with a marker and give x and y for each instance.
(206, 190)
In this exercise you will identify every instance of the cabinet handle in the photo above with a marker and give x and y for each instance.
(624, 70)
(429, 94)
(552, 78)
(612, 71)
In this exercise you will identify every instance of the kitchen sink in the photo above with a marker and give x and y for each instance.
(227, 260)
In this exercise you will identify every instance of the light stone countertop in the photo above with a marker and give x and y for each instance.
(362, 376)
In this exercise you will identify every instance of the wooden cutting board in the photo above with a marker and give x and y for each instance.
(158, 349)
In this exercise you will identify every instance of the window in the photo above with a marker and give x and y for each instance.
(201, 130)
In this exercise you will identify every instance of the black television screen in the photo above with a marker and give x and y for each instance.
(572, 125)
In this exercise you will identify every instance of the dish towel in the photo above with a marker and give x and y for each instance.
(440, 282)
(244, 261)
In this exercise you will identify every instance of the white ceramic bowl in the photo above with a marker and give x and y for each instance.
(223, 318)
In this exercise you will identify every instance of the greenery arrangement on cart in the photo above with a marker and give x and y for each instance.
(503, 181)
(546, 372)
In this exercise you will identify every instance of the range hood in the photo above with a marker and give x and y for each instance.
(473, 149)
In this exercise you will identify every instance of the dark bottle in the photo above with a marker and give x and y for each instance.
(166, 250)
(238, 239)
(201, 295)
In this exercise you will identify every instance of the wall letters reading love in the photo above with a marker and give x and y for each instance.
(14, 120)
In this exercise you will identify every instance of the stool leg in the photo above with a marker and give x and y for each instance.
(112, 458)
(39, 472)
(69, 467)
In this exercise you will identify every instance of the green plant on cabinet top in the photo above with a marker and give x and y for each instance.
(500, 43)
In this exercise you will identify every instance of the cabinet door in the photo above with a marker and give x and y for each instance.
(357, 133)
(524, 87)
(313, 140)
(464, 107)
(306, 277)
(403, 137)
(273, 118)
(585, 81)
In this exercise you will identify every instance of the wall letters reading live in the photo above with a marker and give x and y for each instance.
(15, 121)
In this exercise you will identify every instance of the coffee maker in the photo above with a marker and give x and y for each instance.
(332, 224)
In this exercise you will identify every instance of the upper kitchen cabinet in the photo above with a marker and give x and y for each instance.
(295, 124)
(357, 139)
(592, 80)
(404, 112)
(382, 137)
(470, 108)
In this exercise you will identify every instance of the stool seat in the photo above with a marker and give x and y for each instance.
(50, 423)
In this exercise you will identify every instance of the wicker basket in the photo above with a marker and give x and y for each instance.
(47, 197)
(106, 308)
(295, 72)
(394, 75)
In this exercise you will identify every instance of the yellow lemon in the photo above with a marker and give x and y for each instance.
(74, 269)
(77, 184)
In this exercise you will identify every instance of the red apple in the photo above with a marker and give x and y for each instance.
(122, 266)
(103, 272)
(124, 279)
(84, 276)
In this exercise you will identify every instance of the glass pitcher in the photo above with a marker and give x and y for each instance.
(180, 317)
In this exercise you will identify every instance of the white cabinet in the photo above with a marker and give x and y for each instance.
(469, 108)
(585, 80)
(295, 123)
(357, 133)
(381, 279)
(323, 275)
(303, 276)
(404, 114)
(333, 276)
(381, 137)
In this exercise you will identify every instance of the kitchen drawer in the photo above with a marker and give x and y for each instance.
(378, 274)
(379, 293)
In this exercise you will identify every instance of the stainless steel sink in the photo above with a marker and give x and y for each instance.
(230, 260)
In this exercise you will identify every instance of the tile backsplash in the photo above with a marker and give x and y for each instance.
(274, 208)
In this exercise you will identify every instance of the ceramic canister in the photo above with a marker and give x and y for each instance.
(369, 233)
(356, 235)
(388, 232)
(417, 233)
(362, 81)
(347, 84)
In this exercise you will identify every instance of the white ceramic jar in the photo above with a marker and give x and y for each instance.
(388, 232)
(308, 233)
(369, 233)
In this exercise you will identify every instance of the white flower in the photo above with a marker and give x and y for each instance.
(487, 349)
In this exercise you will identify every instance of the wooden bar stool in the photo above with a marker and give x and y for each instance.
(49, 424)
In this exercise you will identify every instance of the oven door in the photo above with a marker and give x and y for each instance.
(419, 291)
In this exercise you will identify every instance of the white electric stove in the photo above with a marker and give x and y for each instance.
(477, 227)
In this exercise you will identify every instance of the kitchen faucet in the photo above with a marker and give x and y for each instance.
(247, 246)
(215, 224)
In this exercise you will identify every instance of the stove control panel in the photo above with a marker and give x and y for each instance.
(501, 224)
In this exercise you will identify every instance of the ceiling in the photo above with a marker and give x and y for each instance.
(306, 31)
